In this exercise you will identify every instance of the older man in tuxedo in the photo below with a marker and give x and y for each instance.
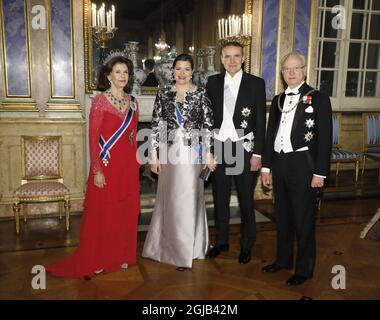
(238, 103)
(297, 151)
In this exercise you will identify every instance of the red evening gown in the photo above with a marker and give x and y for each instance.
(108, 234)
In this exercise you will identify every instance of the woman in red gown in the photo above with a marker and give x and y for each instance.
(108, 234)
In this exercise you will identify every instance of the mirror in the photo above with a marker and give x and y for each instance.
(183, 24)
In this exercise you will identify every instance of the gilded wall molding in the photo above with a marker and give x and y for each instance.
(27, 48)
(9, 105)
(87, 35)
(53, 94)
(248, 49)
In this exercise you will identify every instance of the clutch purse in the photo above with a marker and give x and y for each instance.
(205, 174)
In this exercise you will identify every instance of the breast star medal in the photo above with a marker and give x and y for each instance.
(308, 136)
(309, 123)
(243, 124)
(246, 112)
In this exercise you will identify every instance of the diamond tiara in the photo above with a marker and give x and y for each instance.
(112, 54)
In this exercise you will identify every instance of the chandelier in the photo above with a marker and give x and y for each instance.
(161, 46)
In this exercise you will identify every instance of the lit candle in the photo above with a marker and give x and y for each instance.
(103, 16)
(226, 28)
(219, 32)
(230, 26)
(234, 19)
(113, 16)
(108, 20)
(93, 14)
(233, 25)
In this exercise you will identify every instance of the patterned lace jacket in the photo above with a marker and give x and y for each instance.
(196, 113)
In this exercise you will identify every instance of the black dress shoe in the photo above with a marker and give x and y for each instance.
(244, 257)
(295, 280)
(181, 269)
(272, 268)
(217, 250)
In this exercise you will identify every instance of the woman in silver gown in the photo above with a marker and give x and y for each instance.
(182, 122)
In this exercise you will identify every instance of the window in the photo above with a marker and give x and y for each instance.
(348, 57)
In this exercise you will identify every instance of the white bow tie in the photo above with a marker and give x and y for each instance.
(293, 91)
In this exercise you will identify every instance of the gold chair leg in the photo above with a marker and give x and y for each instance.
(60, 204)
(67, 211)
(16, 212)
(356, 170)
(364, 158)
(25, 211)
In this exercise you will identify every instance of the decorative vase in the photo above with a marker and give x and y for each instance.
(131, 49)
(210, 61)
(163, 68)
(200, 74)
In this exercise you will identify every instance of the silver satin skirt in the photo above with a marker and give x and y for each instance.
(178, 231)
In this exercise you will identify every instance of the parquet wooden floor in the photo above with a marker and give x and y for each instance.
(222, 278)
(338, 243)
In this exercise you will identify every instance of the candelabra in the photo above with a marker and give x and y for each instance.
(103, 25)
(242, 39)
(103, 34)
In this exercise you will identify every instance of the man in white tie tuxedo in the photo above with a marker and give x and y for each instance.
(297, 151)
(238, 103)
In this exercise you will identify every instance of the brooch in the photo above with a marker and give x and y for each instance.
(246, 112)
(309, 123)
(308, 136)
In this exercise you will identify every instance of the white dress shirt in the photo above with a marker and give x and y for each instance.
(233, 82)
(283, 142)
(227, 129)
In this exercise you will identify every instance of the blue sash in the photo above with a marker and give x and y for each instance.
(106, 146)
(199, 148)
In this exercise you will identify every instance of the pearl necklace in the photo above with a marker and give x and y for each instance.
(119, 103)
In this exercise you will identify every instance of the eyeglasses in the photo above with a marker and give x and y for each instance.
(294, 69)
